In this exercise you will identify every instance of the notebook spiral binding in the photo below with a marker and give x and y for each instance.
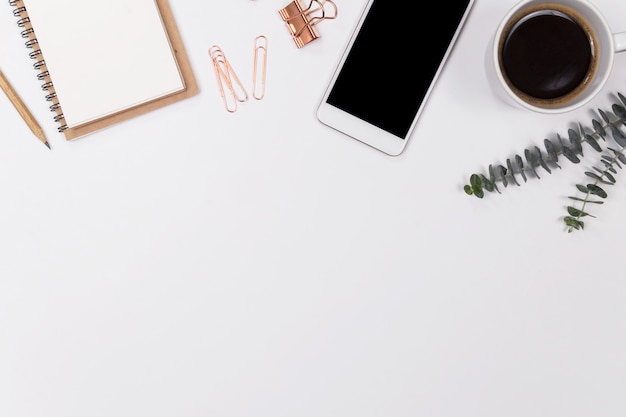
(23, 22)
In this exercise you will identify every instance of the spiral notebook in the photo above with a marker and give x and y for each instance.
(105, 61)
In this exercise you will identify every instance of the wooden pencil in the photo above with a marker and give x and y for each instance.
(22, 110)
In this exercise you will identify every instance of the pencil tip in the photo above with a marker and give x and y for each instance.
(48, 145)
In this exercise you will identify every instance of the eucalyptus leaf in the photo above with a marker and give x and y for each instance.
(569, 154)
(489, 185)
(501, 170)
(582, 188)
(593, 175)
(574, 139)
(586, 200)
(575, 223)
(619, 155)
(520, 164)
(475, 181)
(531, 161)
(573, 211)
(599, 129)
(604, 116)
(551, 151)
(608, 158)
(610, 177)
(541, 161)
(609, 167)
(512, 171)
(619, 111)
(597, 190)
(593, 142)
(617, 134)
(607, 175)
(477, 186)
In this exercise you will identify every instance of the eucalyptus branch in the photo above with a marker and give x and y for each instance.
(535, 161)
(593, 191)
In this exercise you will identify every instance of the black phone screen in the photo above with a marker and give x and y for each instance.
(394, 60)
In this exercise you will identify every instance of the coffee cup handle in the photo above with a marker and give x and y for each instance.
(619, 40)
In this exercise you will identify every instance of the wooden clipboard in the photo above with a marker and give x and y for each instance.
(191, 86)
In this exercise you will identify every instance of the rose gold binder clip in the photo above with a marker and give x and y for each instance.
(231, 89)
(301, 22)
(259, 67)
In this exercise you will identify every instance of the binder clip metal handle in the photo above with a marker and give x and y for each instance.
(301, 21)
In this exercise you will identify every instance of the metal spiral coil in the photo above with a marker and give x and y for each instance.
(23, 21)
(31, 43)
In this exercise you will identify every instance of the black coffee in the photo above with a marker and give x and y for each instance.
(547, 55)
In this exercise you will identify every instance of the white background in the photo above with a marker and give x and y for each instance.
(193, 262)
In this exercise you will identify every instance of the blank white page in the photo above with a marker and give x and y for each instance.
(104, 56)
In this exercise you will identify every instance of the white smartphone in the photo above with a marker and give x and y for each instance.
(389, 68)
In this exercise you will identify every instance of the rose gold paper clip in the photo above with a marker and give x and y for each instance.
(301, 22)
(231, 89)
(260, 66)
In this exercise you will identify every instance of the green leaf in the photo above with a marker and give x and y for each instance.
(501, 171)
(610, 177)
(609, 166)
(619, 155)
(596, 190)
(577, 213)
(512, 171)
(582, 188)
(574, 139)
(468, 189)
(610, 159)
(593, 143)
(607, 175)
(594, 176)
(569, 154)
(622, 98)
(520, 165)
(585, 201)
(597, 126)
(604, 116)
(531, 161)
(492, 174)
(541, 160)
(575, 223)
(619, 111)
(477, 188)
(617, 134)
(487, 185)
(551, 151)
(475, 180)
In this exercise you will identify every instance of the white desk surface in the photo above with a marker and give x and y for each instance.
(193, 262)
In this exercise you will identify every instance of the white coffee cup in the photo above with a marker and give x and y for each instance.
(603, 45)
